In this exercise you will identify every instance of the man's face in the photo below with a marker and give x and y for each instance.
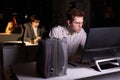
(36, 23)
(76, 24)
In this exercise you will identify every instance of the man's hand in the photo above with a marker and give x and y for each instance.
(37, 39)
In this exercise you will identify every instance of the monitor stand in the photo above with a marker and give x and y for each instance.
(98, 61)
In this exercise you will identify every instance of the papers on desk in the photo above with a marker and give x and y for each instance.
(29, 44)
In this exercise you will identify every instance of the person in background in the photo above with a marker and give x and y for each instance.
(73, 31)
(33, 33)
(12, 26)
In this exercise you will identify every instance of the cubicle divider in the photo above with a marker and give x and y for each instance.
(9, 37)
(13, 54)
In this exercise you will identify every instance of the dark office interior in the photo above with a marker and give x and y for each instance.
(98, 13)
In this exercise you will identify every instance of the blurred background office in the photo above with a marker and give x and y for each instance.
(99, 13)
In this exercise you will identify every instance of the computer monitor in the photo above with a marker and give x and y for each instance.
(101, 43)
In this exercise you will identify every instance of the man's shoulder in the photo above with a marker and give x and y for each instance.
(59, 27)
(27, 24)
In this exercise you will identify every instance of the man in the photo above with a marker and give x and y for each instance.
(32, 32)
(76, 36)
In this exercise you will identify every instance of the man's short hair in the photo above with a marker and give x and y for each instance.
(73, 13)
(34, 18)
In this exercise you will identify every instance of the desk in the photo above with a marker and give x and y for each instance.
(27, 71)
(17, 54)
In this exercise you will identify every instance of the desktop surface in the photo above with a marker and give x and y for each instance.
(27, 71)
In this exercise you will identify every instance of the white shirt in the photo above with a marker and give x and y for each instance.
(35, 31)
(73, 41)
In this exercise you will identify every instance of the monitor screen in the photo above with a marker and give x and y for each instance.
(101, 43)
